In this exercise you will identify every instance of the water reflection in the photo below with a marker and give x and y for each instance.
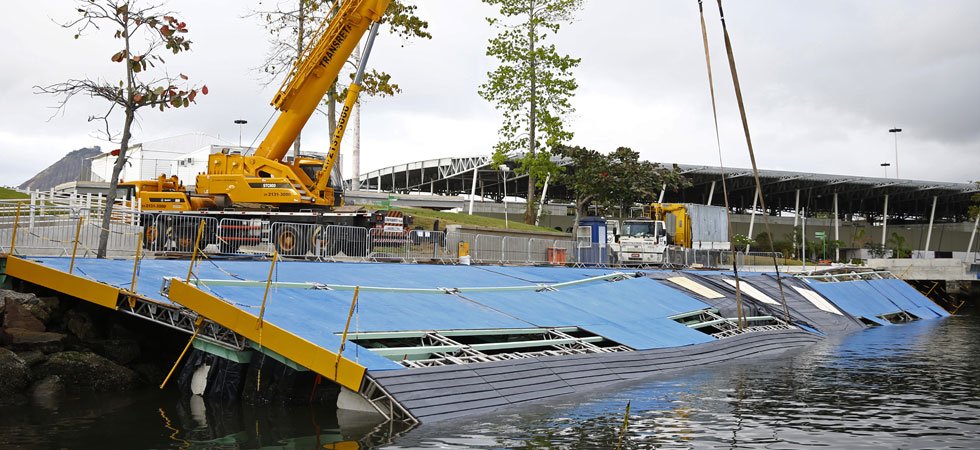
(909, 386)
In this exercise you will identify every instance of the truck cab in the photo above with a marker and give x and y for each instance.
(639, 241)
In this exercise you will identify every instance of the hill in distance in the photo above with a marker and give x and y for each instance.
(74, 166)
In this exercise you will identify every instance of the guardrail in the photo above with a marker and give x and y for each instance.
(43, 228)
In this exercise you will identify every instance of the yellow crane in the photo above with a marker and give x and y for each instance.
(265, 179)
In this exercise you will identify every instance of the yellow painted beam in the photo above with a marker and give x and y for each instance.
(305, 353)
(92, 291)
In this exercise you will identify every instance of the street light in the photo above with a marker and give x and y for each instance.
(885, 165)
(241, 124)
(896, 131)
(503, 168)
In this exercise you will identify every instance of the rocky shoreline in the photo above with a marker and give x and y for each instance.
(51, 347)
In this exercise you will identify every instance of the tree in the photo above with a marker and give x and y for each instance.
(532, 85)
(897, 243)
(144, 32)
(291, 28)
(617, 179)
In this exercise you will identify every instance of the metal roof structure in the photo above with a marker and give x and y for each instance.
(909, 200)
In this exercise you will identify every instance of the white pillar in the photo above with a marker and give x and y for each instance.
(973, 234)
(932, 217)
(663, 190)
(473, 190)
(755, 200)
(803, 238)
(544, 193)
(796, 209)
(711, 193)
(884, 223)
(379, 182)
(836, 229)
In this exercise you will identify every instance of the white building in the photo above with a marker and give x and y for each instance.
(185, 156)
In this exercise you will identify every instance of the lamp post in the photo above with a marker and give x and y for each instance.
(885, 165)
(503, 168)
(895, 131)
(241, 124)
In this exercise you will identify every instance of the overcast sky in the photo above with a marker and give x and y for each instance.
(823, 82)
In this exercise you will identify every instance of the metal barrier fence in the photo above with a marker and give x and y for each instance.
(337, 242)
(46, 229)
(177, 233)
(50, 226)
(242, 236)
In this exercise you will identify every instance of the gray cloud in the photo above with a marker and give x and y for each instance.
(823, 82)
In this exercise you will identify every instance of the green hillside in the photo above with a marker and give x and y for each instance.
(6, 194)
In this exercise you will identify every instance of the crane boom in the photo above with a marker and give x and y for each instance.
(265, 180)
(316, 71)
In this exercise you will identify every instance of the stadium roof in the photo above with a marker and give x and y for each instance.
(908, 200)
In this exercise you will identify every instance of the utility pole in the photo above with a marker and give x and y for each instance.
(895, 131)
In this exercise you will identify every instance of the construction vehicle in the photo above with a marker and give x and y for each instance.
(263, 186)
(666, 226)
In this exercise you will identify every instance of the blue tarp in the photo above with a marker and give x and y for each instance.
(872, 298)
(632, 312)
(849, 296)
(908, 298)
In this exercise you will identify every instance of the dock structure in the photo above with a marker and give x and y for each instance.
(422, 343)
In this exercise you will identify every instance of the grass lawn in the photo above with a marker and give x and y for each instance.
(424, 218)
(6, 194)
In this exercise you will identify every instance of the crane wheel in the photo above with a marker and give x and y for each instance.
(290, 242)
(327, 245)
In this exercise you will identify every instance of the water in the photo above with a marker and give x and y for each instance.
(909, 386)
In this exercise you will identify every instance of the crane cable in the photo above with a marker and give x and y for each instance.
(724, 182)
(755, 167)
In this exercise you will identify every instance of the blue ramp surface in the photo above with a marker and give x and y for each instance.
(850, 296)
(908, 298)
(872, 298)
(632, 312)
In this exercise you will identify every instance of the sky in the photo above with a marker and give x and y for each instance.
(823, 82)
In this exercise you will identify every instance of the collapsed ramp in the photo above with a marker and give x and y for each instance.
(761, 297)
(875, 298)
(502, 335)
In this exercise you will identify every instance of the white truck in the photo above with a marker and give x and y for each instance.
(679, 226)
(637, 241)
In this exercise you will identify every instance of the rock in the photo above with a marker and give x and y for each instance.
(32, 357)
(86, 372)
(15, 376)
(41, 309)
(44, 308)
(149, 373)
(51, 303)
(18, 316)
(81, 325)
(18, 297)
(118, 331)
(21, 340)
(122, 351)
(47, 392)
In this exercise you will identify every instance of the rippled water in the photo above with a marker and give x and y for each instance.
(908, 386)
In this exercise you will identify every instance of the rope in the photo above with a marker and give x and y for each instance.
(748, 141)
(721, 163)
